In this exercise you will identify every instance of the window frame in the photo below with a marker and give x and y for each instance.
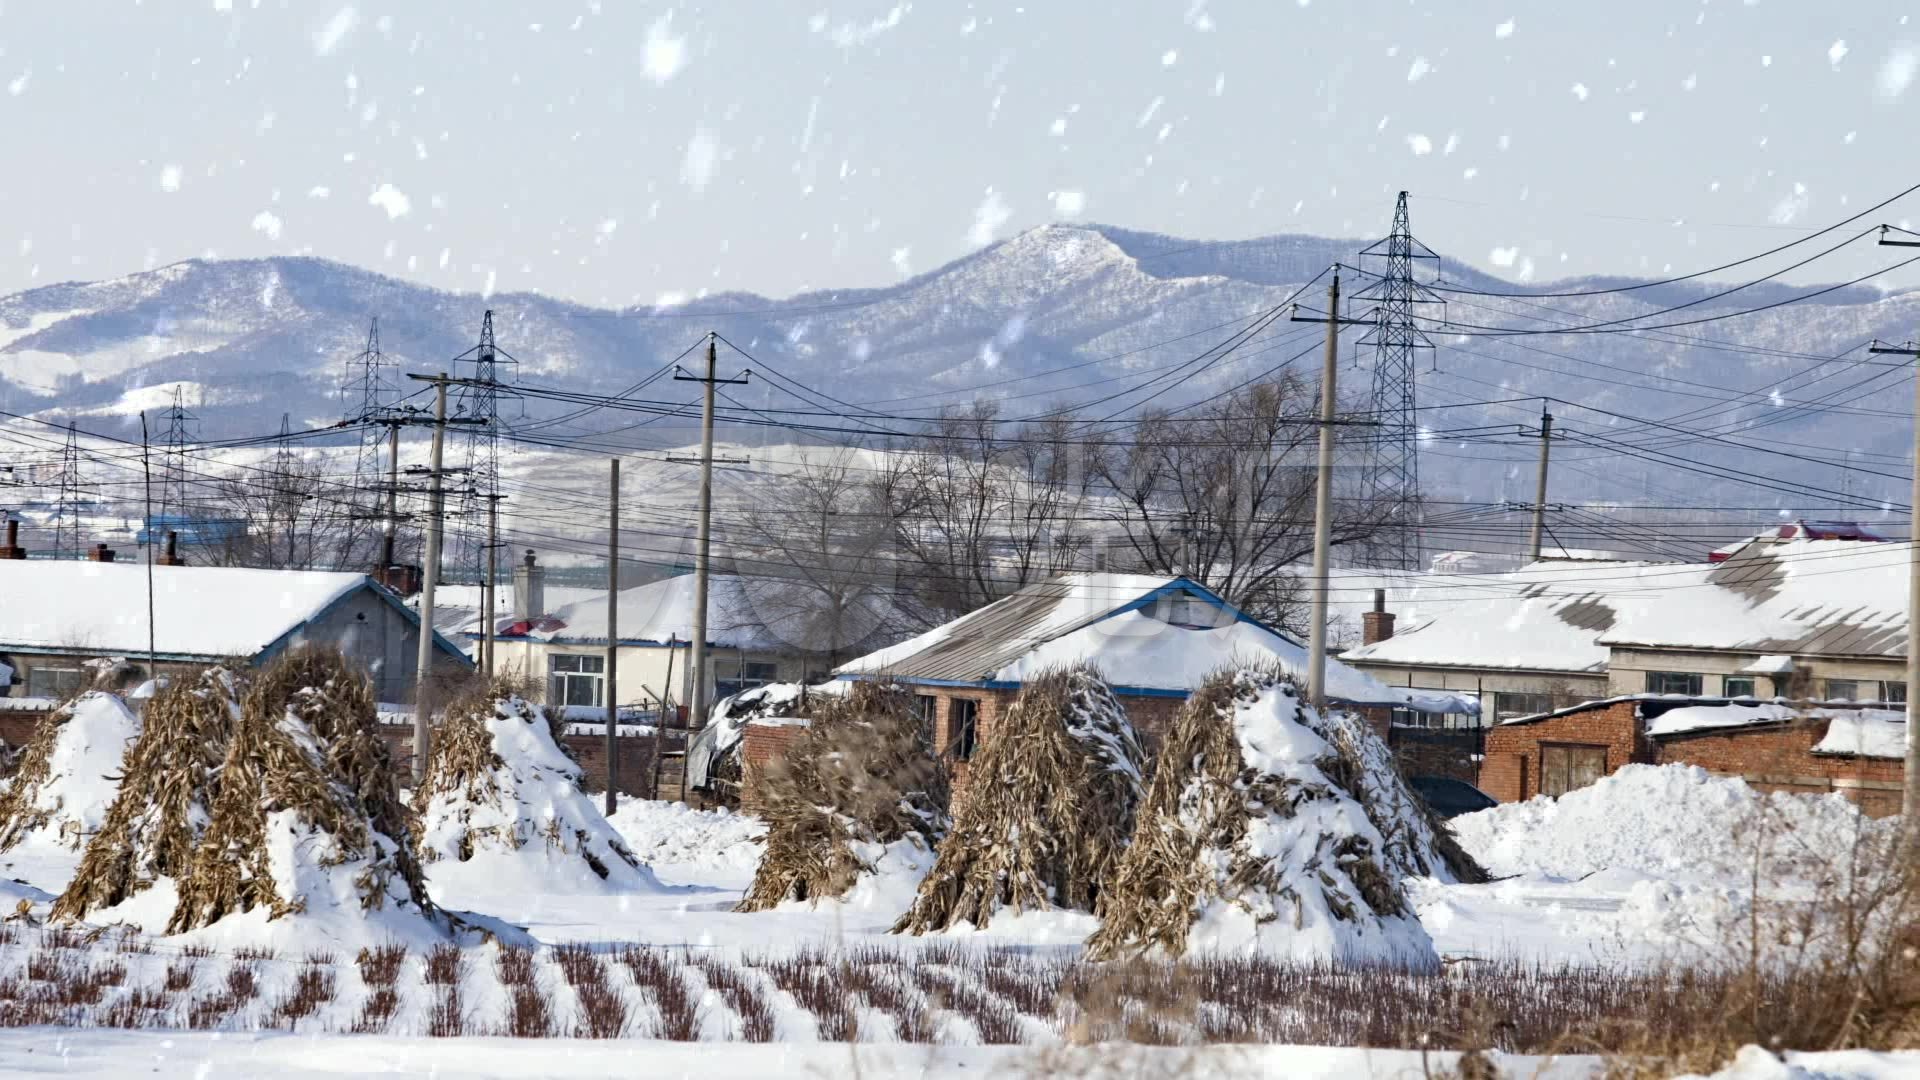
(1889, 687)
(963, 735)
(1499, 696)
(1830, 694)
(79, 681)
(581, 668)
(1727, 686)
(1694, 682)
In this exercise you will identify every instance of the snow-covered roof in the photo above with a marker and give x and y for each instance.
(1545, 617)
(1133, 628)
(755, 614)
(1874, 733)
(198, 611)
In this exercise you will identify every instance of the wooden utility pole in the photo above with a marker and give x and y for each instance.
(1540, 484)
(613, 627)
(392, 525)
(702, 556)
(490, 587)
(430, 580)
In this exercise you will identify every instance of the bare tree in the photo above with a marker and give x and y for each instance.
(1224, 494)
(287, 517)
(816, 560)
(980, 508)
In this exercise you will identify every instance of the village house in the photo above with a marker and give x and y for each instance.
(759, 631)
(1154, 638)
(65, 622)
(1773, 746)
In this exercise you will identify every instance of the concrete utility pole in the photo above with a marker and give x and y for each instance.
(490, 588)
(697, 668)
(1540, 485)
(613, 622)
(1323, 504)
(430, 574)
(391, 527)
(1910, 800)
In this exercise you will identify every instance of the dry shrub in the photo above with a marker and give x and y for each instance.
(814, 980)
(1192, 850)
(179, 976)
(746, 1001)
(312, 988)
(660, 977)
(529, 1012)
(514, 967)
(377, 1012)
(1049, 808)
(446, 965)
(308, 744)
(861, 777)
(165, 795)
(380, 964)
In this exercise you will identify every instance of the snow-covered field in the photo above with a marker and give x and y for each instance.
(1621, 874)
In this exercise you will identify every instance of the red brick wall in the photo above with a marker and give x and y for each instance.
(1510, 771)
(761, 744)
(1773, 758)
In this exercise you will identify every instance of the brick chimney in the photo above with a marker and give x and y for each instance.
(1376, 625)
(12, 549)
(100, 553)
(529, 589)
(171, 556)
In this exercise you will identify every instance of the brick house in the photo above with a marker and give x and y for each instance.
(1774, 746)
(1154, 638)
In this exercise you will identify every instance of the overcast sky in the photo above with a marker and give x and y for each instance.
(621, 152)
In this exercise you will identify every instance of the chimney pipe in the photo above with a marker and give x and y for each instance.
(11, 550)
(1376, 625)
(100, 553)
(529, 589)
(171, 556)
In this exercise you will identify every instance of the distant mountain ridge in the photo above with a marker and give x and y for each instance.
(250, 339)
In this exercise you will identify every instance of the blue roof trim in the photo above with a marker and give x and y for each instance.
(59, 650)
(392, 599)
(1190, 587)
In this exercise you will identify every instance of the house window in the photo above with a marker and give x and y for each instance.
(1508, 705)
(963, 727)
(54, 682)
(1673, 682)
(1843, 689)
(1893, 693)
(924, 706)
(747, 675)
(576, 679)
(1737, 686)
(1568, 767)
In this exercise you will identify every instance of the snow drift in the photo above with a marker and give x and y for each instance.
(68, 775)
(1253, 840)
(501, 808)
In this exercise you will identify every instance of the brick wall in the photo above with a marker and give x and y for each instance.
(1777, 757)
(1510, 771)
(760, 745)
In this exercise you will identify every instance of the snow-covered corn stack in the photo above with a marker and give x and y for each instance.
(1049, 808)
(501, 807)
(68, 775)
(860, 794)
(166, 795)
(1252, 842)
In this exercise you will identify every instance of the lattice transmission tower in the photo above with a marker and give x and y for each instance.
(1393, 461)
(369, 397)
(480, 400)
(67, 511)
(173, 457)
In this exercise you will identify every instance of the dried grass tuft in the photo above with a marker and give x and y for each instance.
(1049, 810)
(862, 776)
(307, 743)
(165, 796)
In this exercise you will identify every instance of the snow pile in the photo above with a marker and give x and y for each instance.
(667, 834)
(501, 809)
(165, 798)
(308, 840)
(1875, 733)
(1048, 810)
(1677, 822)
(68, 775)
(1251, 840)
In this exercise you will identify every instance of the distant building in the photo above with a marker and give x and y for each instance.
(62, 621)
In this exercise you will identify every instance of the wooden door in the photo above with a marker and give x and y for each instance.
(1568, 767)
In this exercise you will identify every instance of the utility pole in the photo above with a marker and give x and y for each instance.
(613, 623)
(490, 588)
(1323, 493)
(392, 524)
(436, 504)
(1910, 801)
(697, 718)
(1540, 484)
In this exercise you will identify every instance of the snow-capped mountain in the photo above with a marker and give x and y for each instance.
(1121, 311)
